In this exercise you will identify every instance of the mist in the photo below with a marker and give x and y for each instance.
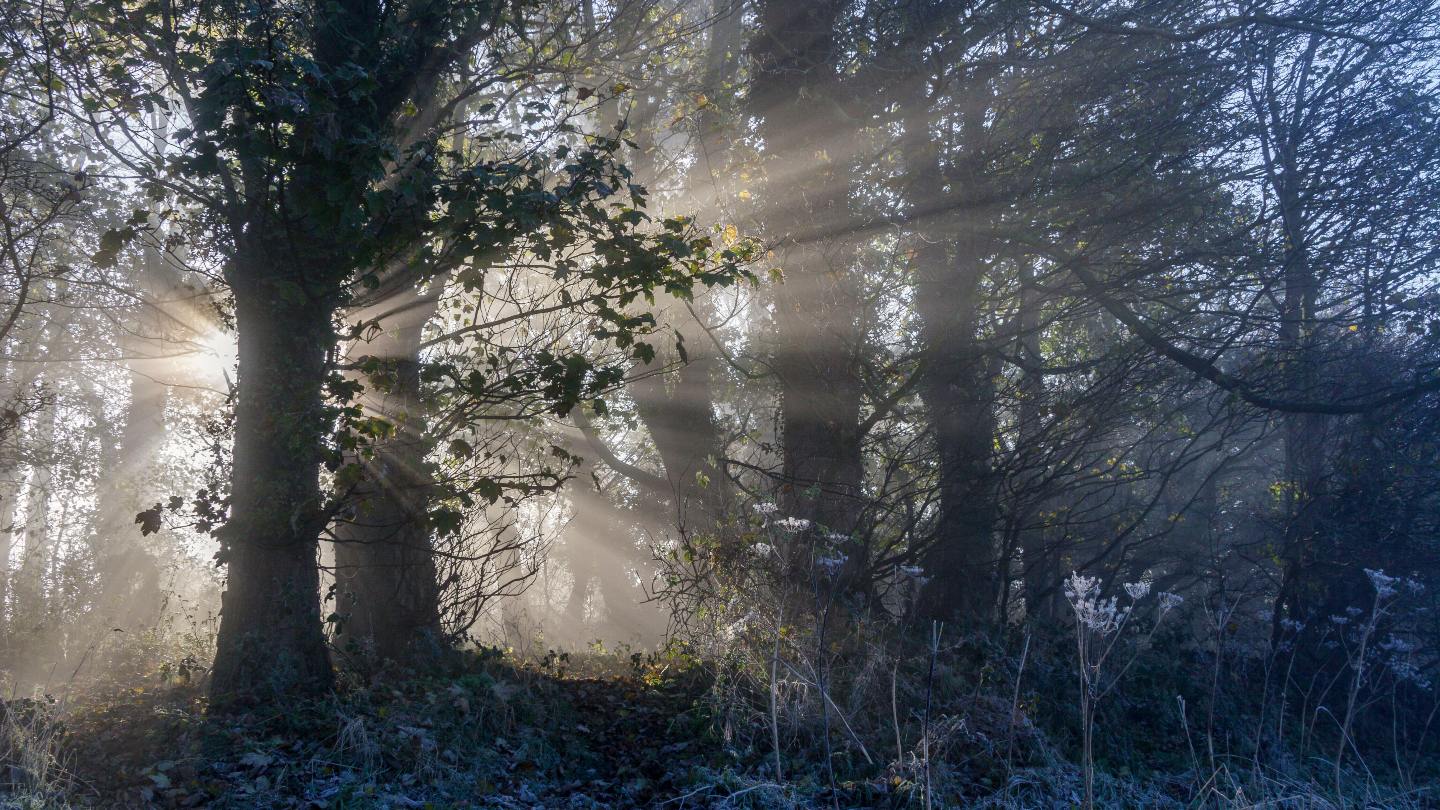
(730, 402)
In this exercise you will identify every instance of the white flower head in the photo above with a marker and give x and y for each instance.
(762, 549)
(793, 524)
(1169, 601)
(765, 508)
(1383, 583)
(1103, 616)
(1137, 590)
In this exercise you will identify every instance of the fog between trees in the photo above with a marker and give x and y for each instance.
(822, 344)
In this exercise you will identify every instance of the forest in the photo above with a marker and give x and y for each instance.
(720, 404)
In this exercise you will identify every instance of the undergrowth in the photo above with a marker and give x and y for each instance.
(977, 720)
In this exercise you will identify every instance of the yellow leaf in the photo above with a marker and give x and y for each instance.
(731, 234)
(744, 195)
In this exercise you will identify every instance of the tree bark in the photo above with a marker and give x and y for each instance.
(958, 393)
(384, 559)
(270, 641)
(817, 307)
(956, 375)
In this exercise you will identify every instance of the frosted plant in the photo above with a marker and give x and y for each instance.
(1399, 657)
(762, 549)
(1137, 590)
(1093, 613)
(792, 524)
(1360, 655)
(1098, 622)
(765, 508)
(735, 628)
(1384, 585)
(1169, 601)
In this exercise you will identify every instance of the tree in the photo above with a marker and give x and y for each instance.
(311, 155)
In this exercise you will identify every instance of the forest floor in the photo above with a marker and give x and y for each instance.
(493, 737)
(589, 731)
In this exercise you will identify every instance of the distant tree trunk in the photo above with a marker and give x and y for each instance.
(678, 408)
(32, 611)
(12, 484)
(819, 338)
(9, 498)
(384, 559)
(678, 411)
(600, 551)
(130, 575)
(270, 640)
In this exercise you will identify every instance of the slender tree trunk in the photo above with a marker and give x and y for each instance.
(270, 641)
(1041, 571)
(678, 410)
(130, 575)
(9, 500)
(12, 483)
(1303, 433)
(33, 613)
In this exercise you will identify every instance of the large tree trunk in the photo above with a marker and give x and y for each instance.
(818, 337)
(956, 383)
(958, 393)
(384, 564)
(270, 639)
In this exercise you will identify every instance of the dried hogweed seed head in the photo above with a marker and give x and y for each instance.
(1384, 584)
(1092, 612)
